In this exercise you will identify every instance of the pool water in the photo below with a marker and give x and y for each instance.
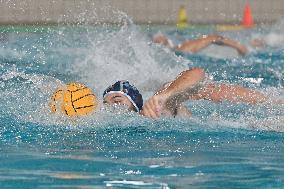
(222, 145)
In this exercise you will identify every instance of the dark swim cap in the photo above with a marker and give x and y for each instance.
(131, 92)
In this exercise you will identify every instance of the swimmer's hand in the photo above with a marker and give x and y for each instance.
(154, 106)
(219, 40)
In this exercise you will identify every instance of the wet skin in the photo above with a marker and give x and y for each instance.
(117, 98)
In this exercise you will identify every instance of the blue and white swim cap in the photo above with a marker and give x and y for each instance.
(131, 92)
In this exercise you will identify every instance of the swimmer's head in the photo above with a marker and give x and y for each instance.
(258, 43)
(162, 39)
(122, 92)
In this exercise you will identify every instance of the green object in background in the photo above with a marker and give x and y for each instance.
(84, 28)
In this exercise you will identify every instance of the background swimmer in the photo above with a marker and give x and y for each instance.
(271, 40)
(196, 45)
(188, 85)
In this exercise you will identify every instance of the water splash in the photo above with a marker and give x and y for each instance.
(34, 65)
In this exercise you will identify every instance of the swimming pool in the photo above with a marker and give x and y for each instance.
(222, 146)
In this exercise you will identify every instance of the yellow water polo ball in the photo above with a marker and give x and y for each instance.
(74, 99)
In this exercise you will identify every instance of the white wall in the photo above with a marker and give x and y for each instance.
(142, 11)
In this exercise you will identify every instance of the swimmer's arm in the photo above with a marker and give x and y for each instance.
(184, 81)
(231, 93)
(242, 50)
(196, 45)
(174, 94)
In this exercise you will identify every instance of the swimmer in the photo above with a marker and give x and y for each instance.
(168, 101)
(196, 45)
(269, 40)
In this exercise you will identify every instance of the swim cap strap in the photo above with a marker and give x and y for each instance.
(124, 94)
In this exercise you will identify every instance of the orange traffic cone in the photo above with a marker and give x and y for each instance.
(247, 18)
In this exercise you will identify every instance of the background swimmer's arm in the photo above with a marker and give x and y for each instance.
(242, 50)
(176, 93)
(197, 45)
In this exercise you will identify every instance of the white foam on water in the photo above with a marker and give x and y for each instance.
(127, 54)
(26, 96)
(274, 37)
(135, 183)
(12, 53)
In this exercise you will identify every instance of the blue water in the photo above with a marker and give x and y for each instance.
(222, 145)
